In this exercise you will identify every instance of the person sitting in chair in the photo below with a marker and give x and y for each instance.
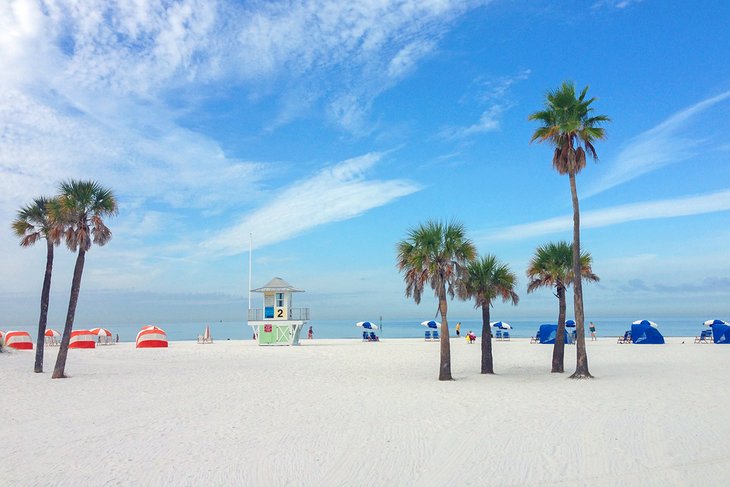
(373, 337)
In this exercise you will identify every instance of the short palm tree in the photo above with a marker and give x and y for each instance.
(569, 125)
(33, 222)
(552, 266)
(486, 280)
(84, 205)
(435, 254)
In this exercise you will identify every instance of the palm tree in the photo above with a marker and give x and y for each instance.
(552, 266)
(40, 220)
(436, 253)
(84, 204)
(486, 280)
(569, 124)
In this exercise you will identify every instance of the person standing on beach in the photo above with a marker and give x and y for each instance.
(458, 328)
(592, 327)
(310, 333)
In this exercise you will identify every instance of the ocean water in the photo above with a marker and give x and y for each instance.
(237, 330)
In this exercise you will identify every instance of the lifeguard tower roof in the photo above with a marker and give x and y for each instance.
(277, 284)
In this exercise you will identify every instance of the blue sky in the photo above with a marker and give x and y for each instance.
(328, 128)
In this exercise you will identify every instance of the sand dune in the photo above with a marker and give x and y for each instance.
(343, 412)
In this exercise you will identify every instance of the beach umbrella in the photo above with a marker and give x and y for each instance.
(715, 322)
(501, 325)
(431, 324)
(645, 322)
(570, 324)
(368, 325)
(102, 332)
(51, 333)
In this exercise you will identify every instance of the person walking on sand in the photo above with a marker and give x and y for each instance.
(458, 328)
(310, 333)
(592, 327)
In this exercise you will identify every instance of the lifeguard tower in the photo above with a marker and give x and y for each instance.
(277, 323)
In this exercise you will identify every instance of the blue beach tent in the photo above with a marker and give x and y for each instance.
(549, 332)
(645, 332)
(721, 333)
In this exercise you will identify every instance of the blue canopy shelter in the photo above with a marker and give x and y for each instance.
(721, 333)
(549, 332)
(645, 332)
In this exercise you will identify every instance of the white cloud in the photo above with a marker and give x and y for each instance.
(496, 94)
(334, 194)
(660, 146)
(669, 208)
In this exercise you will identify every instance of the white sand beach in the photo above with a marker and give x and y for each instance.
(348, 413)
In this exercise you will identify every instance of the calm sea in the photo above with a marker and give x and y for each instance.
(237, 330)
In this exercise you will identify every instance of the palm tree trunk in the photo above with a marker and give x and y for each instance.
(487, 359)
(43, 320)
(445, 368)
(58, 371)
(559, 346)
(581, 367)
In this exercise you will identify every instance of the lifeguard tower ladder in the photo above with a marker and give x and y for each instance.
(277, 323)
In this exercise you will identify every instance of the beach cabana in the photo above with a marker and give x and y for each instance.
(19, 340)
(52, 337)
(82, 339)
(548, 332)
(645, 332)
(720, 331)
(151, 337)
(103, 336)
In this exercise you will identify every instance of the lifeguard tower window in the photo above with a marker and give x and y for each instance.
(279, 300)
(268, 306)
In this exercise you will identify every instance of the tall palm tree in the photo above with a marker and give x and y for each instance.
(436, 253)
(84, 204)
(552, 266)
(486, 280)
(569, 125)
(33, 222)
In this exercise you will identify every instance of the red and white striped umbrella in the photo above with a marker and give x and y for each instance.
(102, 332)
(50, 332)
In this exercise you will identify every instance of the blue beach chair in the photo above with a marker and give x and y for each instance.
(536, 338)
(435, 334)
(498, 335)
(505, 336)
(427, 335)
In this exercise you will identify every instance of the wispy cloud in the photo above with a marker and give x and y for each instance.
(668, 208)
(494, 93)
(658, 147)
(619, 4)
(334, 194)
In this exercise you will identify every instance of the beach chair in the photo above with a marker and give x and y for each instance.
(536, 338)
(435, 334)
(626, 338)
(704, 336)
(364, 336)
(373, 337)
(498, 335)
(427, 335)
(505, 336)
